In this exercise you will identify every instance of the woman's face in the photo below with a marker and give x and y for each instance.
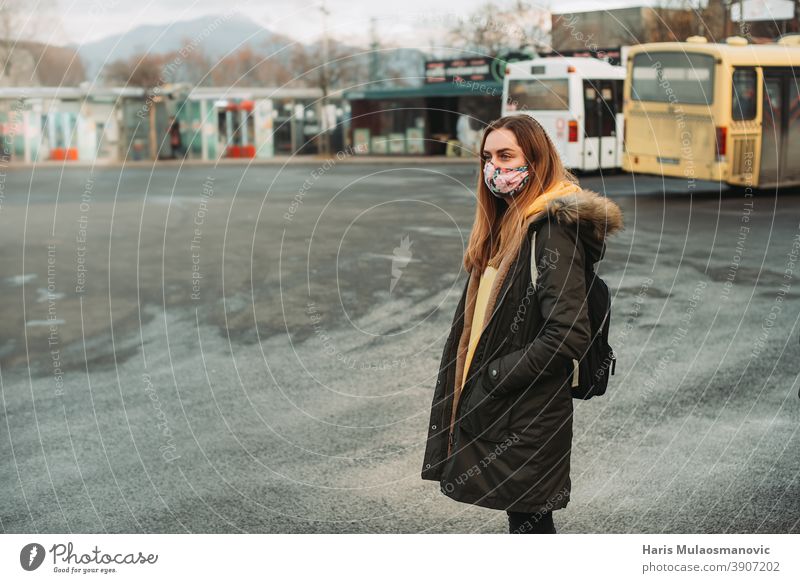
(502, 149)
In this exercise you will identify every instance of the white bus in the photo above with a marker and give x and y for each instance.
(577, 100)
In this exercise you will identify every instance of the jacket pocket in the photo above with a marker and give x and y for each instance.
(485, 416)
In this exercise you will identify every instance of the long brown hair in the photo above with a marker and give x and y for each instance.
(499, 226)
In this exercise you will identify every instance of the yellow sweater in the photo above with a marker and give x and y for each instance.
(490, 273)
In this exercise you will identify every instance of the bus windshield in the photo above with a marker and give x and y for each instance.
(537, 94)
(674, 77)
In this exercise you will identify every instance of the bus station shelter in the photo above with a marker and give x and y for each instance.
(433, 119)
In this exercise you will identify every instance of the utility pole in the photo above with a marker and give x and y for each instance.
(727, 15)
(729, 24)
(152, 120)
(741, 17)
(325, 141)
(374, 47)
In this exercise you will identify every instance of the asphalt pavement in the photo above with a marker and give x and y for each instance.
(253, 349)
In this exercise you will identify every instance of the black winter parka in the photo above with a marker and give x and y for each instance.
(507, 442)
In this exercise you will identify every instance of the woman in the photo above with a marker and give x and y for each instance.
(500, 431)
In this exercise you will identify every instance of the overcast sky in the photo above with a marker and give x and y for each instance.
(81, 21)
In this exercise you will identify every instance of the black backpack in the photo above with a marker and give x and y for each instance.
(591, 372)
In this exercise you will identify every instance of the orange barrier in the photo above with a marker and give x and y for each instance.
(64, 154)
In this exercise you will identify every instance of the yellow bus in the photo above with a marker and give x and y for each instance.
(727, 112)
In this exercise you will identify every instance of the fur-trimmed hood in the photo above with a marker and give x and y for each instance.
(597, 217)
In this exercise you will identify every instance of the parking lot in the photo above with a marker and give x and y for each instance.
(253, 349)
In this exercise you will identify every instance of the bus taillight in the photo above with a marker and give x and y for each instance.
(572, 126)
(722, 134)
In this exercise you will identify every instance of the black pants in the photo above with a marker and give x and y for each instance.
(530, 523)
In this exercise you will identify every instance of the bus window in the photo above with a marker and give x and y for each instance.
(674, 77)
(599, 107)
(537, 94)
(743, 100)
(591, 109)
(618, 92)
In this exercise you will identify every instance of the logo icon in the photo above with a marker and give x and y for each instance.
(400, 258)
(31, 556)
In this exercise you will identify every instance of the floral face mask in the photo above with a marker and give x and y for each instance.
(504, 182)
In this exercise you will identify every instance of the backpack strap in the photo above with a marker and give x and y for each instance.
(534, 268)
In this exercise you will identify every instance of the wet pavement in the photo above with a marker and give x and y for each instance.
(254, 349)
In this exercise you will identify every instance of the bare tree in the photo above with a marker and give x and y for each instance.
(675, 20)
(492, 29)
(140, 70)
(247, 67)
(330, 66)
(196, 67)
(672, 20)
(18, 30)
(146, 71)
